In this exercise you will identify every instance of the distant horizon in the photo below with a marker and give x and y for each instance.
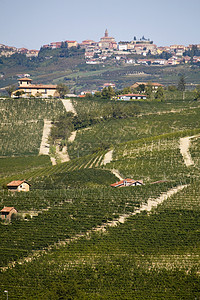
(32, 25)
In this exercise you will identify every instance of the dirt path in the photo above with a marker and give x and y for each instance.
(151, 203)
(184, 149)
(63, 155)
(68, 106)
(44, 146)
(107, 158)
(53, 161)
(72, 137)
(117, 174)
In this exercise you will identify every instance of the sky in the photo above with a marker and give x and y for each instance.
(31, 24)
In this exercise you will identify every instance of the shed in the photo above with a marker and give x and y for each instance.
(18, 186)
(127, 182)
(7, 212)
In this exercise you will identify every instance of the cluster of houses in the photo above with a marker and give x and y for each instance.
(107, 47)
(50, 90)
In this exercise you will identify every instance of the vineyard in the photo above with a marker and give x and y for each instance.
(22, 122)
(65, 213)
(74, 236)
(113, 132)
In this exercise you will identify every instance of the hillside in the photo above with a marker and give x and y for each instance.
(55, 66)
(74, 236)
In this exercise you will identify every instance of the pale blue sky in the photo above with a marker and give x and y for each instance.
(31, 24)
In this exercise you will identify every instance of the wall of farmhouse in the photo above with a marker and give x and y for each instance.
(45, 92)
(24, 187)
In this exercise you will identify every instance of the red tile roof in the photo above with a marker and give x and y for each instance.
(16, 182)
(126, 182)
(25, 79)
(7, 209)
(151, 83)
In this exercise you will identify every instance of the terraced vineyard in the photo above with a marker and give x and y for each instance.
(75, 237)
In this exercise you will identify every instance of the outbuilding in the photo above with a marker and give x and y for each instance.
(7, 212)
(18, 186)
(127, 182)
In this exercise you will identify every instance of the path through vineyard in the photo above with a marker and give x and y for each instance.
(44, 146)
(107, 158)
(63, 155)
(184, 149)
(69, 106)
(151, 203)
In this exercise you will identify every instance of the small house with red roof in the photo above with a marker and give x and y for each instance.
(127, 182)
(18, 186)
(128, 97)
(7, 212)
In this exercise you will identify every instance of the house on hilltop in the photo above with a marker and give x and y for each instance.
(29, 89)
(127, 182)
(7, 212)
(18, 186)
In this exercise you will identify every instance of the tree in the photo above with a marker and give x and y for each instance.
(172, 88)
(97, 94)
(107, 93)
(181, 84)
(10, 89)
(62, 90)
(159, 95)
(38, 95)
(127, 90)
(19, 93)
(197, 93)
(148, 90)
(141, 88)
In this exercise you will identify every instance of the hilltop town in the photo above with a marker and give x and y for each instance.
(146, 52)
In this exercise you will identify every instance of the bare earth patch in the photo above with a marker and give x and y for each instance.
(44, 146)
(184, 149)
(107, 158)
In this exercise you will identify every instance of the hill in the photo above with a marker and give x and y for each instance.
(69, 66)
(74, 236)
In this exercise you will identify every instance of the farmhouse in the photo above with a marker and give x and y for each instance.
(7, 212)
(127, 97)
(154, 85)
(29, 89)
(18, 186)
(127, 182)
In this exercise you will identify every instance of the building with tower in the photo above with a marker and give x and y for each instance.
(107, 42)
